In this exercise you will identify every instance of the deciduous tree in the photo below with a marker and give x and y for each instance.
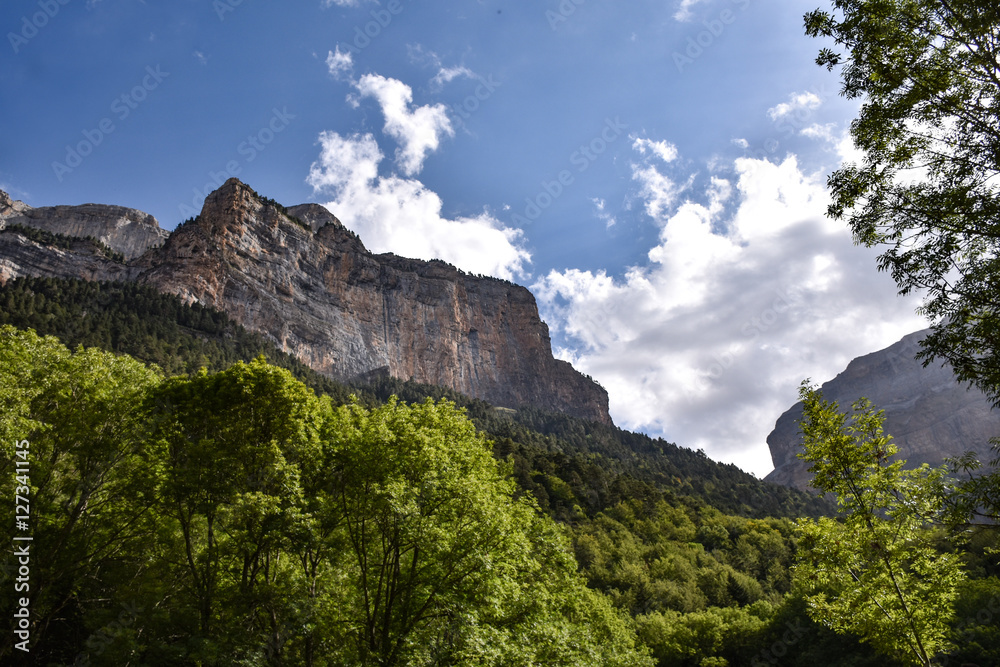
(874, 572)
(927, 190)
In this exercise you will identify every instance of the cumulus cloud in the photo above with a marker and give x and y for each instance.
(339, 62)
(400, 215)
(448, 74)
(824, 132)
(661, 149)
(797, 102)
(657, 189)
(709, 342)
(418, 131)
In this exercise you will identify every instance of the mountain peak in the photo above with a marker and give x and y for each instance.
(125, 230)
(928, 412)
(340, 309)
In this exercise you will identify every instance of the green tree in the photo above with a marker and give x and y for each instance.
(445, 564)
(927, 189)
(233, 447)
(875, 572)
(89, 491)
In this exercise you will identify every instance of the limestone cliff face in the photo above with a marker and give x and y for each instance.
(126, 230)
(20, 256)
(345, 312)
(928, 413)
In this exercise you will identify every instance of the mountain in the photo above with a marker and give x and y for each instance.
(930, 415)
(126, 230)
(299, 277)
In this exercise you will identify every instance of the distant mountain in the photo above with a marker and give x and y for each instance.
(126, 230)
(930, 415)
(299, 277)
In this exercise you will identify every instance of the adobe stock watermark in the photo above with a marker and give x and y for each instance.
(471, 104)
(369, 31)
(98, 642)
(248, 150)
(714, 28)
(565, 9)
(791, 119)
(581, 158)
(223, 7)
(966, 630)
(30, 25)
(751, 330)
(779, 649)
(121, 108)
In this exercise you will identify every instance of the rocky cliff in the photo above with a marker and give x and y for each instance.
(300, 277)
(928, 413)
(124, 230)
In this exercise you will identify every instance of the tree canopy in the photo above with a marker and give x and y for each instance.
(877, 571)
(927, 191)
(241, 519)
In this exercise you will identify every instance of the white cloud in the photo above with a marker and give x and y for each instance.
(797, 102)
(709, 342)
(661, 149)
(602, 212)
(339, 63)
(684, 12)
(420, 56)
(821, 132)
(447, 74)
(418, 131)
(400, 215)
(659, 190)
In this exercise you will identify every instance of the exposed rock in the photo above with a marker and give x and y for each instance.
(10, 207)
(344, 311)
(125, 230)
(928, 413)
(314, 215)
(20, 256)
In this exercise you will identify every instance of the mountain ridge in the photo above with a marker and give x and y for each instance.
(300, 277)
(929, 414)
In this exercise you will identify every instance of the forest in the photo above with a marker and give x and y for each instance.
(182, 493)
(240, 510)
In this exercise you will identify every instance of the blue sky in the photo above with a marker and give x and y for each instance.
(653, 171)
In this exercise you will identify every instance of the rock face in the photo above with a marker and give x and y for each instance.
(125, 230)
(345, 312)
(928, 413)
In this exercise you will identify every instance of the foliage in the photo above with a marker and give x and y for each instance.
(600, 465)
(972, 494)
(570, 465)
(876, 572)
(659, 558)
(243, 520)
(90, 492)
(446, 565)
(40, 236)
(157, 328)
(926, 190)
(277, 579)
